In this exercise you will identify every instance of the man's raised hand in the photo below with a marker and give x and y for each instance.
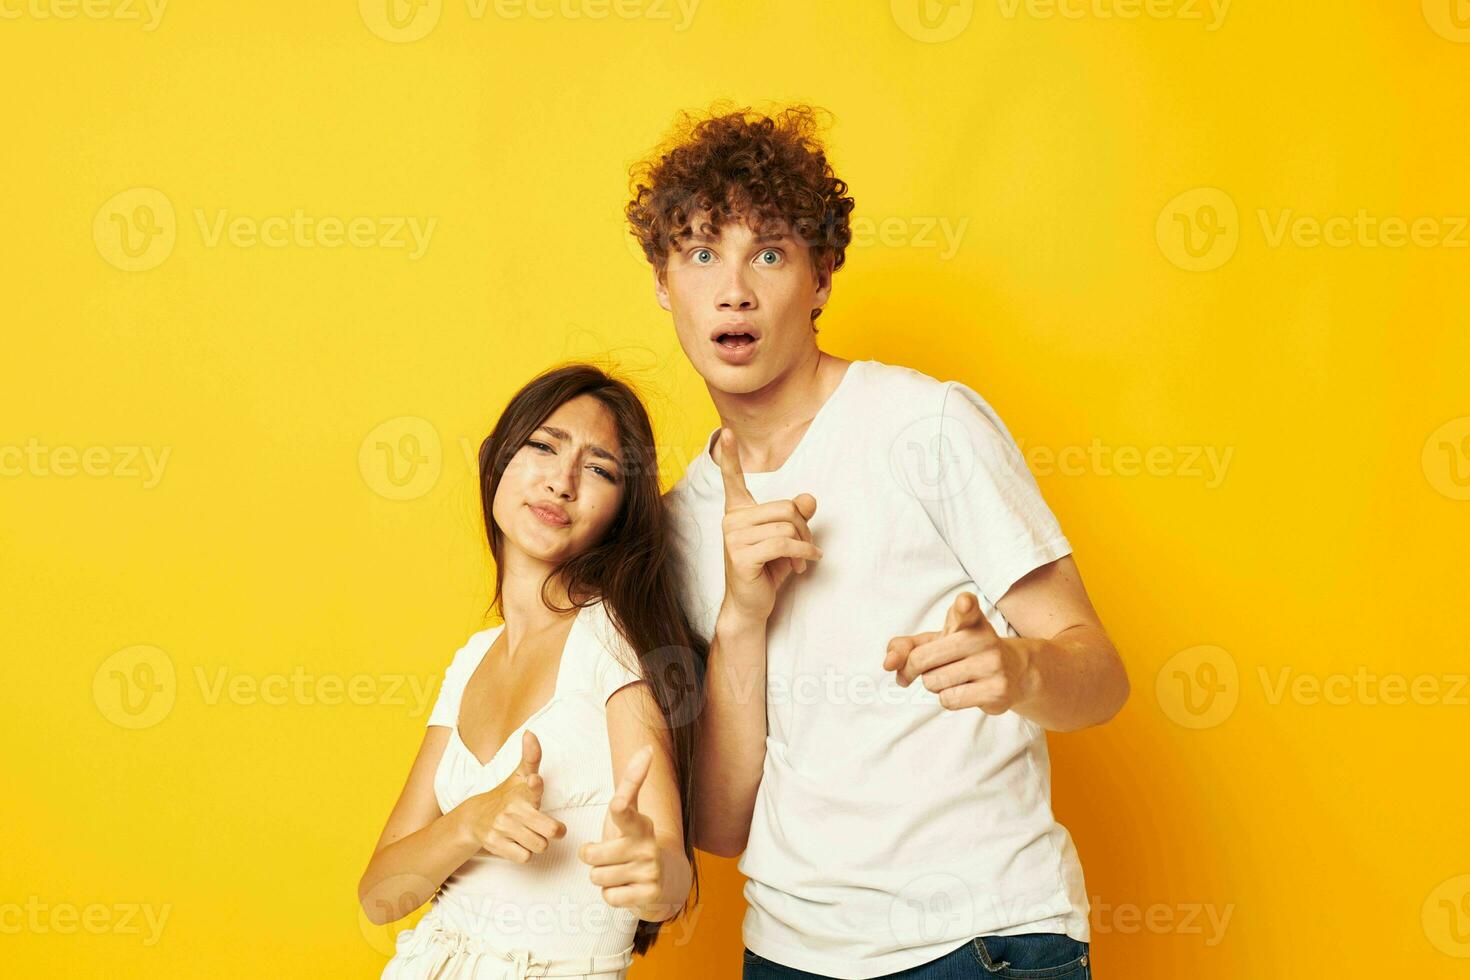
(764, 543)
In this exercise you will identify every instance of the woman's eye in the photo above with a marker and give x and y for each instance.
(604, 474)
(539, 445)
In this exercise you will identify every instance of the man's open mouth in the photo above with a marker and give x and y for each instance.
(735, 341)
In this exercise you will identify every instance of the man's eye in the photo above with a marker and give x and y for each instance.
(699, 252)
(775, 256)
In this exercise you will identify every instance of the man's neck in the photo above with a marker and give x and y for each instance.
(769, 423)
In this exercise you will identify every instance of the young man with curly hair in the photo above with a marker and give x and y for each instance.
(895, 615)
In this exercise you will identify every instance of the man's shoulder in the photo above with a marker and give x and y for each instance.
(901, 394)
(918, 408)
(900, 376)
(685, 490)
(912, 394)
(689, 501)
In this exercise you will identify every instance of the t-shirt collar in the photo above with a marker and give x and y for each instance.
(705, 472)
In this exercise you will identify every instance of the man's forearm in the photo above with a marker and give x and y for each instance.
(1073, 680)
(732, 749)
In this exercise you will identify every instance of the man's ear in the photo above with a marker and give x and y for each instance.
(661, 290)
(824, 281)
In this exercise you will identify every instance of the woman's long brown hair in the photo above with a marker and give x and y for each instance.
(631, 568)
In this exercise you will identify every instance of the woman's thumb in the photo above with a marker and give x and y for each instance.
(530, 754)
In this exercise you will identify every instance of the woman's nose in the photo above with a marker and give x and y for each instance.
(562, 481)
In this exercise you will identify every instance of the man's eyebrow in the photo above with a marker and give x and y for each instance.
(775, 236)
(597, 451)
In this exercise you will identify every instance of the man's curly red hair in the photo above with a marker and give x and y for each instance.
(741, 165)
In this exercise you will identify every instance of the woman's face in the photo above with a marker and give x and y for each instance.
(562, 489)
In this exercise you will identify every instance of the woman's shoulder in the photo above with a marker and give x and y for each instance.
(611, 659)
(457, 675)
(472, 651)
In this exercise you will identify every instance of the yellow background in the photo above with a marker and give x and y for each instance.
(1329, 838)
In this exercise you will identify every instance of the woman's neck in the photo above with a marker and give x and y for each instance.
(526, 614)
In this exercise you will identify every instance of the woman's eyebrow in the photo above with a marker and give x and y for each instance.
(597, 451)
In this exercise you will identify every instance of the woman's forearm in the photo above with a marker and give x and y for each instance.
(674, 885)
(405, 874)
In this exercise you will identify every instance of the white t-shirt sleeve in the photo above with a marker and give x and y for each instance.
(446, 706)
(981, 497)
(615, 665)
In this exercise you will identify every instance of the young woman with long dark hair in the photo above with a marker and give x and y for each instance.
(547, 815)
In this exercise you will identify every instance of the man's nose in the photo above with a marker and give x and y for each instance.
(735, 292)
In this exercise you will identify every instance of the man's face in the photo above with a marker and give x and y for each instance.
(742, 303)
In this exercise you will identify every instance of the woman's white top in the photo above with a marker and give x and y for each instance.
(493, 917)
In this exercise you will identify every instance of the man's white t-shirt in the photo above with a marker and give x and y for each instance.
(888, 831)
